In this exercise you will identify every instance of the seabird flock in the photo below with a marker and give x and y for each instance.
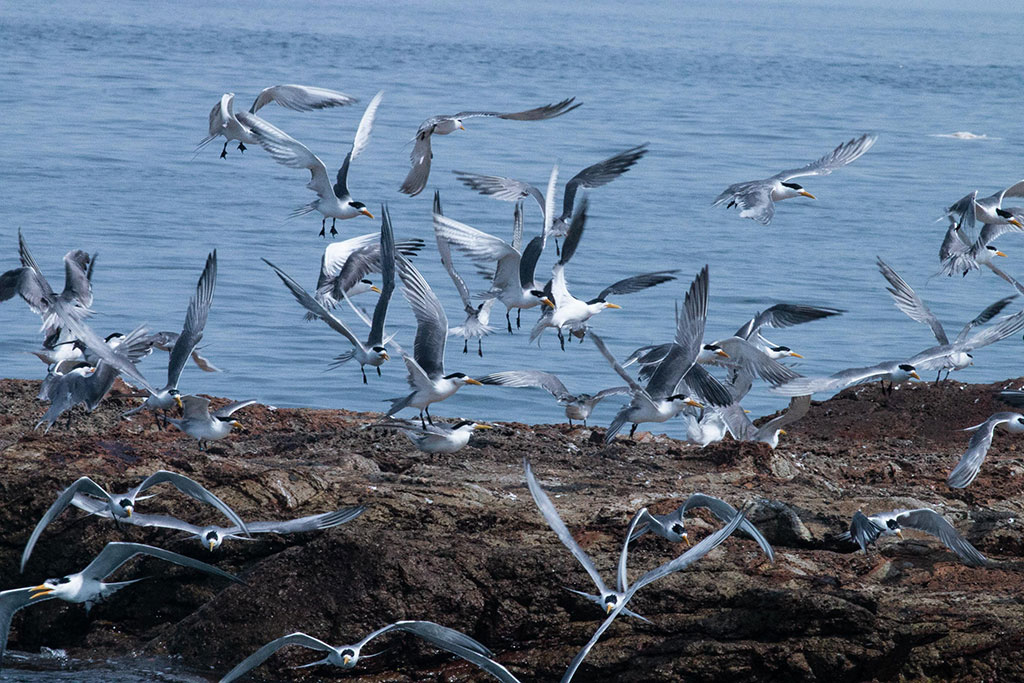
(702, 381)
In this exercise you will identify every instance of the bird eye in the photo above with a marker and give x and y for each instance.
(63, 580)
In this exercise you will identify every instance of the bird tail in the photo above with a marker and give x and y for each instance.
(203, 143)
(302, 210)
(398, 404)
(615, 426)
(342, 359)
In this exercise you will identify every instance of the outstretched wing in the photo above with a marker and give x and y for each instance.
(929, 521)
(420, 158)
(195, 321)
(907, 300)
(725, 512)
(636, 283)
(784, 315)
(315, 307)
(190, 488)
(499, 187)
(116, 554)
(82, 485)
(837, 158)
(288, 151)
(387, 287)
(301, 98)
(359, 143)
(969, 466)
(527, 378)
(261, 655)
(601, 173)
(548, 111)
(431, 321)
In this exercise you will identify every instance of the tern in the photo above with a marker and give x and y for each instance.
(608, 599)
(345, 268)
(334, 201)
(865, 530)
(122, 505)
(211, 537)
(30, 284)
(907, 300)
(779, 316)
(671, 526)
(514, 270)
(894, 371)
(435, 437)
(678, 564)
(756, 198)
(295, 97)
(970, 462)
(197, 421)
(421, 155)
(191, 334)
(165, 341)
(373, 352)
(88, 586)
(568, 312)
(577, 406)
(742, 429)
(989, 210)
(347, 656)
(957, 354)
(478, 318)
(510, 190)
(959, 256)
(427, 377)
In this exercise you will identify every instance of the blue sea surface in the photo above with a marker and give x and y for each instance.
(103, 103)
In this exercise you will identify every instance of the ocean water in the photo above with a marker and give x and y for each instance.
(102, 105)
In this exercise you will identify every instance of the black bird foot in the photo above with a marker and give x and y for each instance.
(364, 375)
(465, 346)
(323, 232)
(378, 371)
(480, 348)
(558, 251)
(508, 320)
(632, 431)
(224, 152)
(241, 147)
(561, 340)
(333, 230)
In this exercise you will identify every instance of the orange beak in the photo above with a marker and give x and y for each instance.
(807, 194)
(366, 212)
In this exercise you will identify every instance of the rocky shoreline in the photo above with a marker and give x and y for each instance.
(457, 539)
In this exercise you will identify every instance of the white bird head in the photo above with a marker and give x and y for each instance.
(361, 208)
(790, 190)
(461, 379)
(58, 588)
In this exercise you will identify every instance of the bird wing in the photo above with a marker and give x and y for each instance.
(549, 206)
(798, 408)
(300, 98)
(420, 158)
(970, 462)
(338, 257)
(527, 378)
(117, 553)
(262, 654)
(315, 307)
(1015, 190)
(195, 408)
(548, 111)
(324, 520)
(601, 173)
(690, 326)
(77, 282)
(431, 321)
(190, 488)
(996, 332)
(612, 391)
(754, 199)
(622, 575)
(686, 559)
(527, 263)
(547, 509)
(478, 246)
(990, 232)
(288, 151)
(840, 380)
(725, 512)
(10, 602)
(748, 358)
(634, 387)
(445, 250)
(387, 287)
(863, 530)
(991, 311)
(837, 158)
(784, 315)
(359, 143)
(220, 115)
(231, 408)
(499, 187)
(82, 485)
(195, 320)
(636, 283)
(907, 300)
(929, 521)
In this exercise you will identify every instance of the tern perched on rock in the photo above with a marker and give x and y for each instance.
(756, 198)
(577, 406)
(88, 586)
(421, 155)
(436, 437)
(347, 656)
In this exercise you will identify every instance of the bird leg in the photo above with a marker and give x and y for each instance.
(378, 371)
(429, 419)
(570, 423)
(558, 251)
(224, 152)
(632, 430)
(519, 315)
(333, 231)
(480, 347)
(465, 345)
(938, 377)
(323, 227)
(422, 423)
(241, 147)
(561, 339)
(508, 320)
(363, 370)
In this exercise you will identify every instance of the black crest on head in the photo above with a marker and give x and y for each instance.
(893, 524)
(461, 423)
(677, 528)
(780, 349)
(367, 282)
(906, 367)
(793, 186)
(455, 375)
(357, 205)
(1003, 213)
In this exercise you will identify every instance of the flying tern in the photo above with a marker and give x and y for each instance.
(671, 526)
(334, 201)
(894, 371)
(296, 97)
(427, 377)
(756, 198)
(88, 586)
(122, 505)
(421, 155)
(347, 656)
(345, 268)
(970, 462)
(373, 352)
(577, 406)
(865, 530)
(191, 334)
